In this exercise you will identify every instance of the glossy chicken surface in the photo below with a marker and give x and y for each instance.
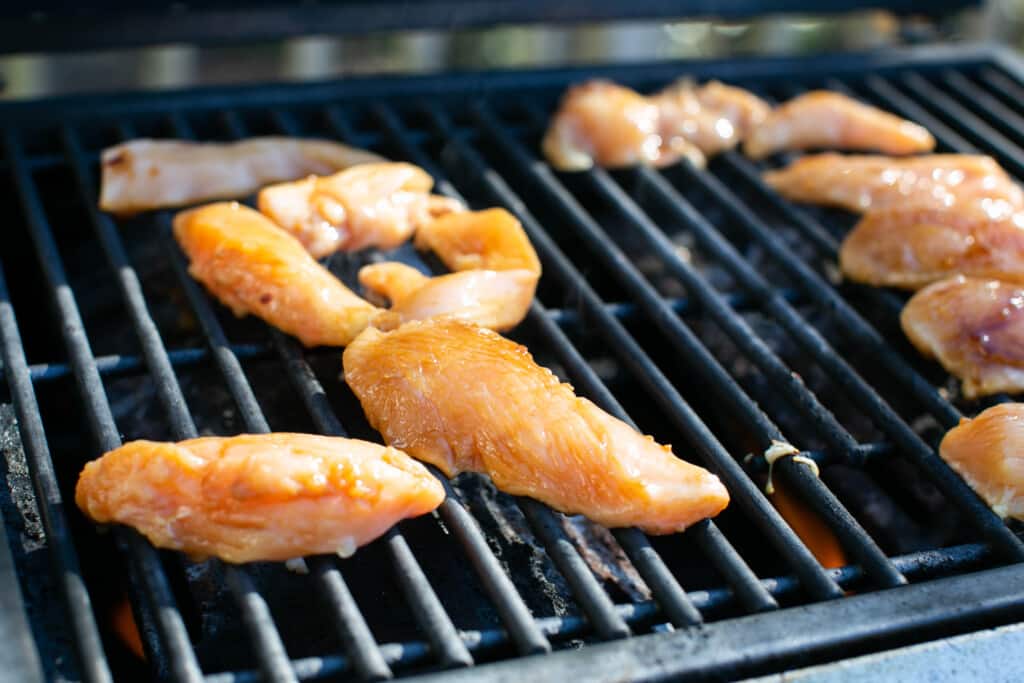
(151, 174)
(257, 497)
(911, 248)
(497, 276)
(254, 267)
(495, 299)
(975, 328)
(604, 124)
(988, 452)
(713, 116)
(823, 119)
(492, 239)
(867, 182)
(466, 399)
(371, 205)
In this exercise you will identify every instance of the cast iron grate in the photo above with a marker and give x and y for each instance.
(697, 305)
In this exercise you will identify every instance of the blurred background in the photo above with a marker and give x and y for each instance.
(29, 75)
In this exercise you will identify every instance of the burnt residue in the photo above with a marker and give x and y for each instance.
(31, 554)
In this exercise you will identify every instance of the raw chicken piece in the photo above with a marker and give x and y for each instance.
(821, 118)
(492, 239)
(371, 205)
(254, 267)
(495, 299)
(868, 182)
(466, 399)
(257, 497)
(139, 175)
(599, 122)
(987, 452)
(911, 248)
(975, 328)
(714, 116)
(498, 273)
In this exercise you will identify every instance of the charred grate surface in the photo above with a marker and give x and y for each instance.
(695, 304)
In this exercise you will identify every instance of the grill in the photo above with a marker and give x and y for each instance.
(697, 305)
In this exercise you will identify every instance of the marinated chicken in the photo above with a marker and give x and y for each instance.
(257, 497)
(466, 399)
(911, 248)
(713, 116)
(492, 239)
(604, 124)
(824, 119)
(497, 278)
(975, 328)
(987, 452)
(152, 174)
(495, 299)
(370, 205)
(868, 182)
(254, 267)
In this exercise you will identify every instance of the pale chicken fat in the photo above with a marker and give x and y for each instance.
(988, 452)
(257, 497)
(911, 248)
(145, 174)
(824, 119)
(975, 328)
(604, 124)
(861, 183)
(254, 267)
(465, 399)
(371, 205)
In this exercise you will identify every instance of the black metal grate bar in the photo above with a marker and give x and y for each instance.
(841, 521)
(918, 566)
(127, 364)
(164, 636)
(865, 335)
(762, 513)
(985, 105)
(89, 648)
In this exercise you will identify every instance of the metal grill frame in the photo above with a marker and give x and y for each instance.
(769, 637)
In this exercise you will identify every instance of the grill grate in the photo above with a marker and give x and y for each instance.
(704, 346)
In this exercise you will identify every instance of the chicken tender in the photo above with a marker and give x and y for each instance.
(257, 497)
(975, 328)
(495, 299)
(254, 267)
(987, 452)
(466, 399)
(492, 239)
(497, 273)
(371, 205)
(868, 182)
(143, 174)
(824, 119)
(911, 248)
(713, 116)
(604, 124)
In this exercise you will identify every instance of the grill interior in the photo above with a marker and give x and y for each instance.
(696, 304)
